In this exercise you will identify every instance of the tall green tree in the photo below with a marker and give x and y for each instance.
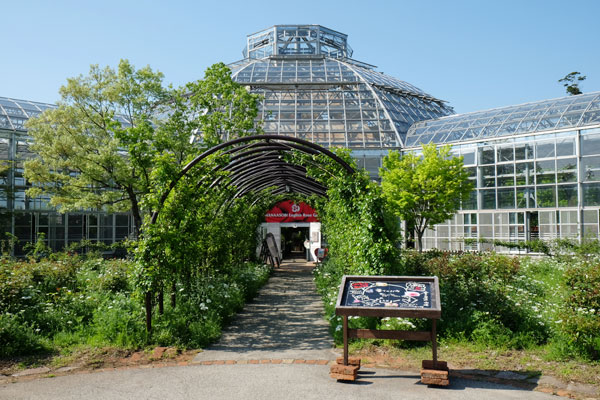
(571, 82)
(119, 135)
(425, 190)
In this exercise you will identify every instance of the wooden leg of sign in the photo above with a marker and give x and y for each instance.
(345, 340)
(344, 372)
(434, 372)
(434, 342)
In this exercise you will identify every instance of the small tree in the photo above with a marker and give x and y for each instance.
(118, 135)
(425, 191)
(570, 82)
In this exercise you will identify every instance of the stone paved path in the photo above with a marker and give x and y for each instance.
(285, 321)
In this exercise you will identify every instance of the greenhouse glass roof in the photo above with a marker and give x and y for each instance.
(562, 113)
(14, 113)
(314, 91)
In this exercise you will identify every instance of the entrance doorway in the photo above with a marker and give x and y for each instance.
(292, 241)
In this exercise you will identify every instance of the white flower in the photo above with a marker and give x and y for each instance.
(338, 328)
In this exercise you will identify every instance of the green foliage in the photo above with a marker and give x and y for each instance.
(580, 312)
(18, 337)
(571, 82)
(361, 232)
(484, 297)
(90, 158)
(425, 191)
(47, 305)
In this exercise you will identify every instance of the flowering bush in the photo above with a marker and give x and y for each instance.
(580, 312)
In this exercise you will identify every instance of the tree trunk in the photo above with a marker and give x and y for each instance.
(161, 301)
(135, 211)
(148, 311)
(420, 240)
(173, 296)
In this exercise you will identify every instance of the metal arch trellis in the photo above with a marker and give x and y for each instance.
(268, 170)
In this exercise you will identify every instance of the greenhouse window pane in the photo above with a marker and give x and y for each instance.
(488, 199)
(523, 151)
(590, 168)
(591, 194)
(486, 155)
(524, 173)
(567, 195)
(565, 147)
(544, 150)
(546, 196)
(590, 145)
(505, 154)
(506, 198)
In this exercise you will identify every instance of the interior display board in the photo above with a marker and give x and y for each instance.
(389, 296)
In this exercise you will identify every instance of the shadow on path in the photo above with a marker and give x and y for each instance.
(284, 321)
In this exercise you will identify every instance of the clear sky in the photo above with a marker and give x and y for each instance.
(474, 54)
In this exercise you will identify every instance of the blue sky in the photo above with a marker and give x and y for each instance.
(474, 54)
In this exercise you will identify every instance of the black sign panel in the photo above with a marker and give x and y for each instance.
(389, 296)
(366, 293)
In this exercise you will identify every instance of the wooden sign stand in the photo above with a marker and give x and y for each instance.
(390, 296)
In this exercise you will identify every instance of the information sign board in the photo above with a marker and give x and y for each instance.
(389, 296)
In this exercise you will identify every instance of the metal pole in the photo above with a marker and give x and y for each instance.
(345, 340)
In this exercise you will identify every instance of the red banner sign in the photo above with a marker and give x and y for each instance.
(290, 211)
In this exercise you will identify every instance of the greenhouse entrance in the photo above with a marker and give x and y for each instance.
(293, 241)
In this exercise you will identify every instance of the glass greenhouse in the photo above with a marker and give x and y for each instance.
(536, 166)
(313, 90)
(25, 217)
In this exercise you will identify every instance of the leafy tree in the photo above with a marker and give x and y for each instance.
(118, 135)
(425, 191)
(570, 82)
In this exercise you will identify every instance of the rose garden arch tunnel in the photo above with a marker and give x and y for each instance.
(272, 165)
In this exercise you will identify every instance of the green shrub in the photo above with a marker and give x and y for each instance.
(18, 337)
(581, 309)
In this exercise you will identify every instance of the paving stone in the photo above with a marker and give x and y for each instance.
(288, 361)
(252, 361)
(66, 369)
(563, 393)
(265, 361)
(135, 357)
(230, 362)
(322, 362)
(511, 375)
(158, 352)
(32, 371)
(242, 362)
(546, 380)
(545, 390)
(276, 361)
(299, 361)
(583, 388)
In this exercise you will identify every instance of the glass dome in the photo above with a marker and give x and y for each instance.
(14, 113)
(565, 112)
(312, 90)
